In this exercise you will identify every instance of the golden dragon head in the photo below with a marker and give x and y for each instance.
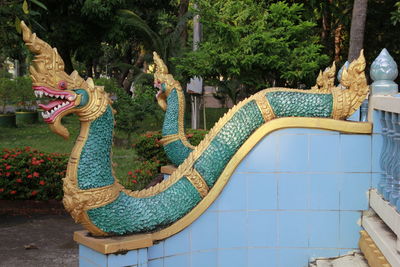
(67, 93)
(164, 81)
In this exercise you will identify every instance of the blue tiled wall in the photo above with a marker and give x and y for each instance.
(297, 195)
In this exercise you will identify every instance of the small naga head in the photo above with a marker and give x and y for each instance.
(67, 93)
(164, 81)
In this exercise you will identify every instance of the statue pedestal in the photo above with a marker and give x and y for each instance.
(112, 251)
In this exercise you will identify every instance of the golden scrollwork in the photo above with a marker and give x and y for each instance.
(197, 181)
(326, 80)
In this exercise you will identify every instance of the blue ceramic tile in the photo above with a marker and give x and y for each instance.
(128, 259)
(325, 191)
(293, 191)
(353, 191)
(258, 257)
(349, 229)
(202, 239)
(243, 165)
(232, 229)
(376, 177)
(214, 206)
(263, 157)
(377, 142)
(262, 229)
(156, 263)
(355, 153)
(355, 116)
(262, 191)
(232, 257)
(324, 153)
(204, 259)
(92, 256)
(324, 229)
(156, 251)
(143, 256)
(83, 262)
(377, 121)
(293, 228)
(293, 153)
(293, 257)
(323, 253)
(177, 261)
(233, 196)
(178, 243)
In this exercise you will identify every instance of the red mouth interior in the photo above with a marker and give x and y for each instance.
(63, 100)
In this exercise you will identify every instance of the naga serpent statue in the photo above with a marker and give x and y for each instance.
(93, 195)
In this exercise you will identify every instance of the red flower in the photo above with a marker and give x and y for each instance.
(13, 192)
(34, 193)
(8, 174)
(29, 176)
(35, 174)
(129, 173)
(8, 167)
(134, 181)
(19, 180)
(42, 182)
(1, 190)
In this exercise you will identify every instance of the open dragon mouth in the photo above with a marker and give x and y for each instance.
(63, 101)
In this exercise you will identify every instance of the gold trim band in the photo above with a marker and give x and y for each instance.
(168, 139)
(198, 182)
(265, 108)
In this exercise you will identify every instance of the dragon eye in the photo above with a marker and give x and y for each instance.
(62, 85)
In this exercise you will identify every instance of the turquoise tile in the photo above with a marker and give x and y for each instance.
(258, 257)
(177, 244)
(349, 229)
(232, 257)
(232, 229)
(355, 153)
(156, 263)
(262, 191)
(233, 196)
(295, 257)
(263, 157)
(293, 228)
(118, 260)
(201, 239)
(353, 191)
(377, 126)
(262, 228)
(377, 143)
(177, 261)
(293, 191)
(204, 259)
(324, 229)
(156, 251)
(293, 153)
(325, 191)
(324, 153)
(323, 253)
(92, 256)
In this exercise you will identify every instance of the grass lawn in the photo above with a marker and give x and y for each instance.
(39, 136)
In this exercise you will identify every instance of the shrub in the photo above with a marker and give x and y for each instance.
(30, 174)
(25, 98)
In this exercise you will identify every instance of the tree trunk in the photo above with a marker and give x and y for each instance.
(338, 42)
(357, 28)
(183, 8)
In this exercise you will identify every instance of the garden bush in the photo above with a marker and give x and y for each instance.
(26, 173)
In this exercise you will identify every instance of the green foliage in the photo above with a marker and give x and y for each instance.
(255, 43)
(25, 98)
(110, 85)
(7, 92)
(30, 174)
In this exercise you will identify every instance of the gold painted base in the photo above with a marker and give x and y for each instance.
(371, 252)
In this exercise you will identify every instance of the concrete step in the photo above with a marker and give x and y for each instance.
(351, 260)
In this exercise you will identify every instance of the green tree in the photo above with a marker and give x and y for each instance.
(255, 43)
